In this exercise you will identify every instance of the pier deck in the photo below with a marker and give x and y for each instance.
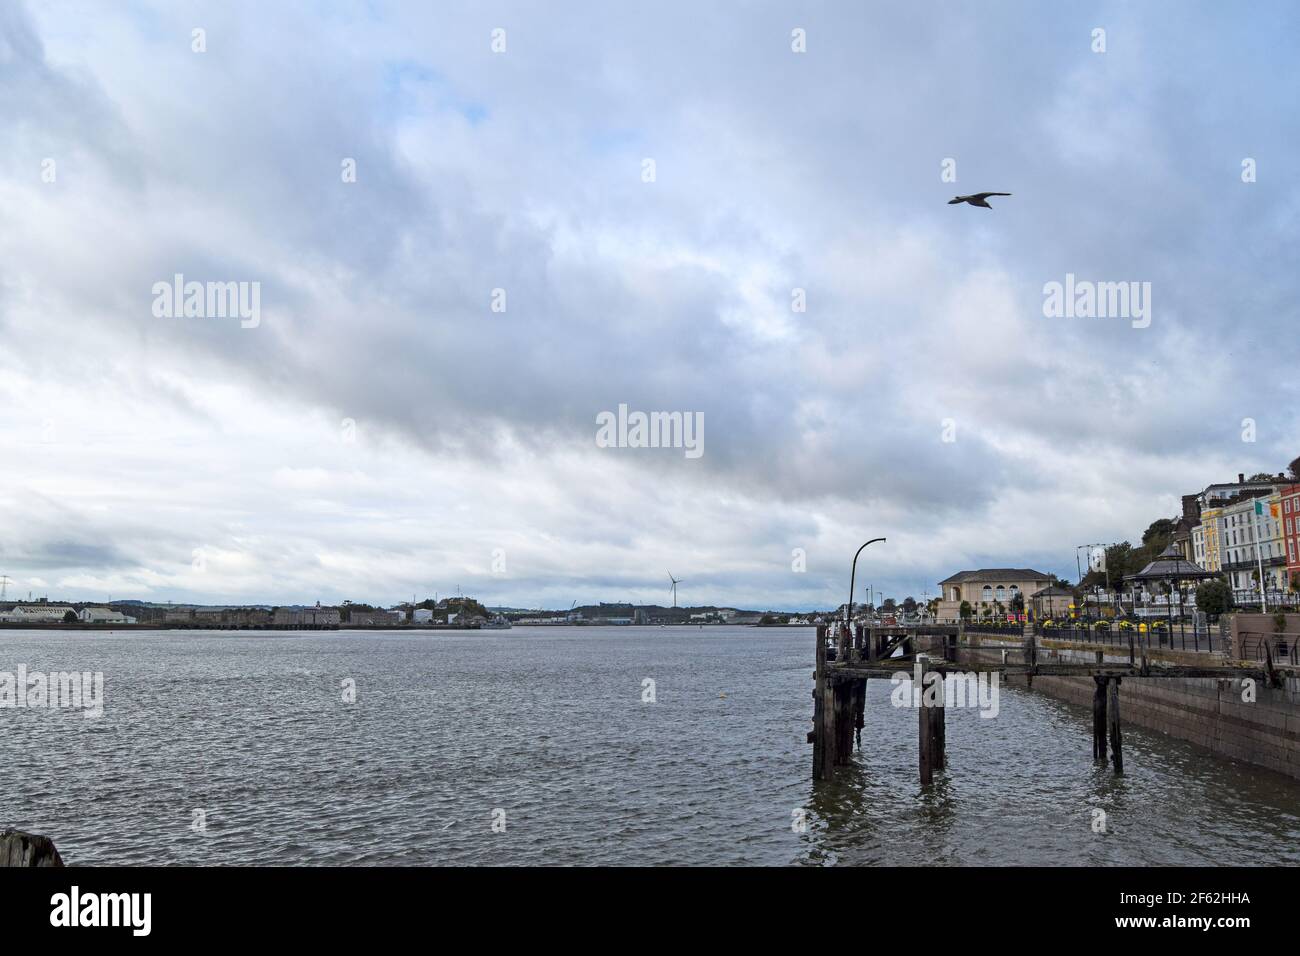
(846, 660)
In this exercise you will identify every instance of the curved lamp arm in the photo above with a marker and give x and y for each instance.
(848, 611)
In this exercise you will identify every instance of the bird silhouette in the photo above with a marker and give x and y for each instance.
(977, 199)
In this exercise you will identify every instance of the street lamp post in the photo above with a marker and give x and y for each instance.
(848, 610)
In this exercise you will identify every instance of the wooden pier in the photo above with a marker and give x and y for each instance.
(846, 660)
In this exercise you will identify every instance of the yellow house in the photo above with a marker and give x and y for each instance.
(1211, 527)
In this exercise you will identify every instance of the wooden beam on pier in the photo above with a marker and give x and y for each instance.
(880, 670)
(893, 645)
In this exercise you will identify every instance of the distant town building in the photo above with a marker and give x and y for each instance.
(986, 588)
(1051, 602)
(1250, 535)
(1212, 502)
(306, 617)
(36, 614)
(358, 618)
(103, 615)
(1198, 545)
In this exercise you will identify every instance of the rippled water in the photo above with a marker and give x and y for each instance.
(549, 724)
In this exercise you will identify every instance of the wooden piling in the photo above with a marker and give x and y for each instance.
(1099, 720)
(1270, 675)
(1031, 657)
(843, 697)
(1112, 718)
(938, 726)
(27, 850)
(931, 728)
(926, 740)
(859, 708)
(823, 761)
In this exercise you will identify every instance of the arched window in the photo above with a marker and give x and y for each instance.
(1013, 592)
(956, 593)
(1002, 593)
(987, 594)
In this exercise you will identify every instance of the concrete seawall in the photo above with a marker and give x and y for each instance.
(1208, 712)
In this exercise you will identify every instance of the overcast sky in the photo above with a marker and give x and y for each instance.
(384, 432)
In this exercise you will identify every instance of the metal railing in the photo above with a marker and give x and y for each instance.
(1189, 637)
(1004, 628)
(1285, 648)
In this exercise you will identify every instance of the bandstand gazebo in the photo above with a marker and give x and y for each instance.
(1173, 569)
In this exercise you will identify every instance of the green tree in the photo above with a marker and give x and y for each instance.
(1159, 531)
(965, 610)
(1214, 597)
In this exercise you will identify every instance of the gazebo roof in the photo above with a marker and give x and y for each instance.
(1171, 566)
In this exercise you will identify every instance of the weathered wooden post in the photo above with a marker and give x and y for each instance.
(937, 724)
(926, 742)
(859, 707)
(1112, 718)
(930, 722)
(843, 692)
(27, 850)
(1099, 720)
(821, 743)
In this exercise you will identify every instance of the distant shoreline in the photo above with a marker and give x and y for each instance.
(63, 626)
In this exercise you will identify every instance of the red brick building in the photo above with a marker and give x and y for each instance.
(1290, 495)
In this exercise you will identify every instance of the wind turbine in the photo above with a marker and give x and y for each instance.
(675, 583)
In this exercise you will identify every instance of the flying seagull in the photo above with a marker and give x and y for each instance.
(978, 199)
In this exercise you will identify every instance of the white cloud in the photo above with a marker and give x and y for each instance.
(129, 442)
